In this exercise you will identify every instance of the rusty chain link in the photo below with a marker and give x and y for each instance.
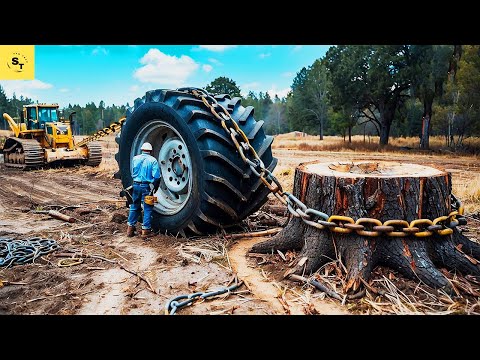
(442, 225)
(175, 304)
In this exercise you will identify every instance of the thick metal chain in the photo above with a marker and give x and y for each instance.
(115, 126)
(442, 225)
(175, 304)
(19, 252)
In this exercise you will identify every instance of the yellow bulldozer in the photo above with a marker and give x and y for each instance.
(41, 137)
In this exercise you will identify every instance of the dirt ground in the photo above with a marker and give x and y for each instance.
(105, 283)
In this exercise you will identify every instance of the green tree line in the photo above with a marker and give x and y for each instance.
(88, 118)
(12, 106)
(384, 90)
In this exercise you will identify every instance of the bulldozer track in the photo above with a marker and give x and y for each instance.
(33, 155)
(94, 154)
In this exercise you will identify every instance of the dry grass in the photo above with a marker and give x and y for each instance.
(206, 250)
(203, 250)
(109, 165)
(369, 143)
(469, 193)
(6, 133)
(285, 175)
(389, 293)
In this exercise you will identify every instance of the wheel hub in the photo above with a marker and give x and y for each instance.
(174, 161)
(178, 166)
(174, 164)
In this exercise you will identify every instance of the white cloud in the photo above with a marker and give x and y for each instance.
(168, 70)
(217, 48)
(27, 88)
(280, 92)
(215, 61)
(288, 74)
(264, 55)
(207, 68)
(297, 47)
(99, 51)
(64, 90)
(134, 88)
(249, 87)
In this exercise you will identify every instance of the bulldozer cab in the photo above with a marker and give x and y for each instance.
(32, 118)
(51, 130)
(36, 116)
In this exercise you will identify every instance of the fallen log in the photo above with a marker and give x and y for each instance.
(56, 215)
(253, 234)
(279, 210)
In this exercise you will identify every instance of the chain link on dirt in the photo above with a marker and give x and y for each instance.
(175, 304)
(19, 252)
(115, 126)
(442, 225)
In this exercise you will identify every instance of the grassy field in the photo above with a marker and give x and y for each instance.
(369, 143)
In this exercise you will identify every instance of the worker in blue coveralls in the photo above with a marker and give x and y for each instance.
(146, 179)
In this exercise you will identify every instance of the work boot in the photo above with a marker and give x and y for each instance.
(130, 231)
(147, 233)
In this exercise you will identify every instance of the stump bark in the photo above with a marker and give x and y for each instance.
(383, 191)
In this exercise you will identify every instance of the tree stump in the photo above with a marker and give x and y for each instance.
(383, 191)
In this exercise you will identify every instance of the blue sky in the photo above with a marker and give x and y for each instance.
(118, 74)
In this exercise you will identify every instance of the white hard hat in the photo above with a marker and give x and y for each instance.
(146, 146)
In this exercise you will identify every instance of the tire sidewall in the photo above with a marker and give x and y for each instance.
(160, 111)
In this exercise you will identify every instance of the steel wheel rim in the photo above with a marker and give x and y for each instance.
(171, 151)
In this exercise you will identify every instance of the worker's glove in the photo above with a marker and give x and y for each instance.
(156, 184)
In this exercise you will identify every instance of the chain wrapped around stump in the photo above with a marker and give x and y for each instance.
(405, 221)
(402, 216)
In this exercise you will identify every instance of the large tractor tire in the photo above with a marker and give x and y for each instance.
(205, 184)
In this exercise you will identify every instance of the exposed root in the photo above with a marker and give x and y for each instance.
(288, 239)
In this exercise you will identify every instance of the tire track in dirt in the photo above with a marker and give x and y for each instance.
(58, 188)
(261, 289)
(119, 292)
(23, 189)
(266, 290)
(111, 299)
